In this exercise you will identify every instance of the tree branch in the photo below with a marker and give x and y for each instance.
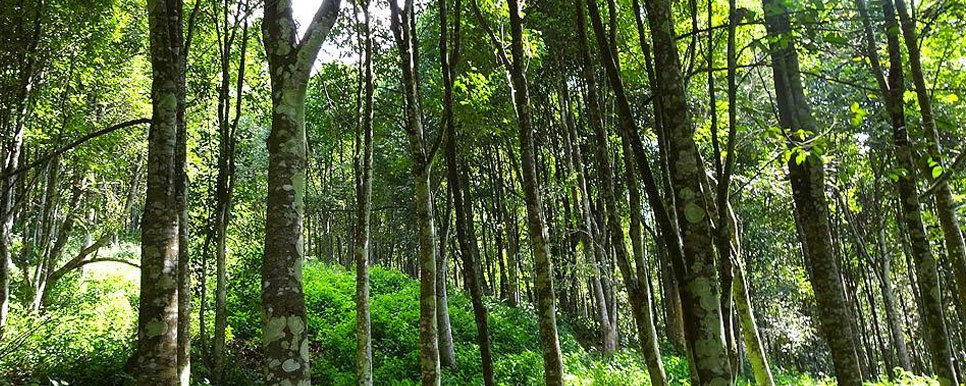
(318, 29)
(80, 141)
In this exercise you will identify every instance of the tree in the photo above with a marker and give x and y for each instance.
(422, 152)
(363, 166)
(546, 309)
(284, 334)
(807, 174)
(635, 277)
(892, 89)
(158, 319)
(695, 267)
(224, 185)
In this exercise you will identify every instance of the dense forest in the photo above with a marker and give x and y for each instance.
(482, 192)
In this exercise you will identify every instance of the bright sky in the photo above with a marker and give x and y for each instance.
(304, 10)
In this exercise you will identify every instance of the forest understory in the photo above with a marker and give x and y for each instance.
(482, 192)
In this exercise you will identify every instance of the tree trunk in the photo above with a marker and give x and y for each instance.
(284, 334)
(449, 59)
(404, 32)
(634, 279)
(546, 313)
(807, 180)
(696, 272)
(363, 213)
(223, 193)
(158, 321)
(885, 259)
(946, 207)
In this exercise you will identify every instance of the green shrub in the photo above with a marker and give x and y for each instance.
(84, 337)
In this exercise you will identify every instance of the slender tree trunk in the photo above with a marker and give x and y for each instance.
(807, 180)
(757, 356)
(363, 214)
(587, 227)
(945, 204)
(934, 326)
(404, 32)
(158, 322)
(546, 312)
(885, 259)
(225, 185)
(284, 334)
(449, 59)
(636, 287)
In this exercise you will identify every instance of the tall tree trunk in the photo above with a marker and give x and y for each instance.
(363, 165)
(224, 188)
(885, 259)
(936, 336)
(284, 334)
(634, 279)
(449, 59)
(158, 321)
(546, 312)
(808, 191)
(946, 207)
(696, 272)
(404, 32)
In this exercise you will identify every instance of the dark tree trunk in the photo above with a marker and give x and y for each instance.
(807, 180)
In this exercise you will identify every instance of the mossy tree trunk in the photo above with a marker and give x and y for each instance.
(536, 221)
(284, 335)
(695, 267)
(403, 29)
(158, 319)
(363, 169)
(808, 191)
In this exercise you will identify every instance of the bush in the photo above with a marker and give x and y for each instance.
(84, 337)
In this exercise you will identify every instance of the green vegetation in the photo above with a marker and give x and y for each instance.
(482, 192)
(97, 334)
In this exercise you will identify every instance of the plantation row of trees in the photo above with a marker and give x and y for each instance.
(760, 188)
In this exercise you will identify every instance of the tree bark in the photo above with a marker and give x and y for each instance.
(696, 272)
(807, 179)
(284, 333)
(363, 165)
(158, 321)
(945, 204)
(546, 312)
(404, 32)
(892, 89)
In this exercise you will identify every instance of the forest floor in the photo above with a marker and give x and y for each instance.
(87, 335)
